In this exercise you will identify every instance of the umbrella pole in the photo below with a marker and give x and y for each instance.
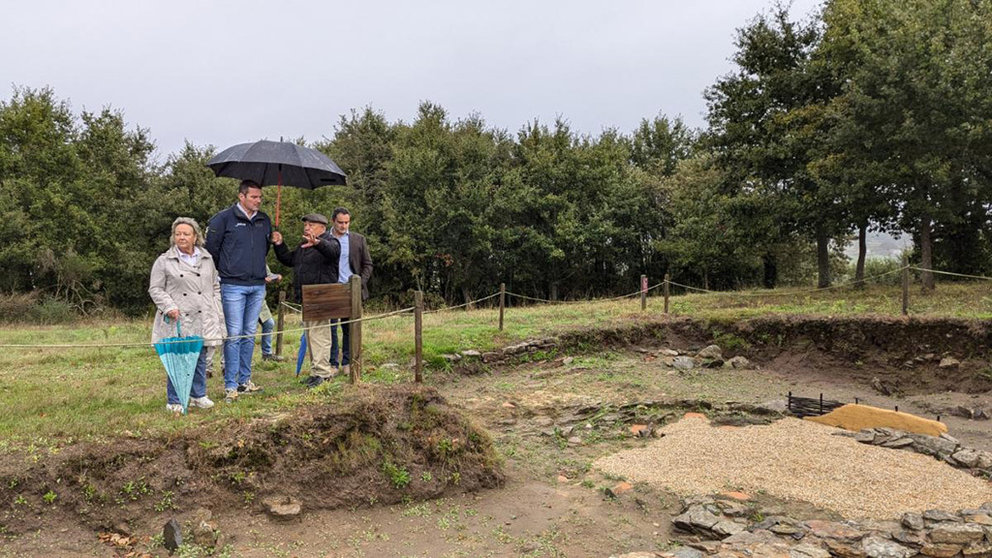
(278, 196)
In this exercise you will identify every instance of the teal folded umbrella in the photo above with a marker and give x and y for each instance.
(179, 355)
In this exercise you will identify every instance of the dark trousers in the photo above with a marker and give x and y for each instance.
(345, 344)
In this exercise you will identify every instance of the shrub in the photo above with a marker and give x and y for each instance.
(32, 307)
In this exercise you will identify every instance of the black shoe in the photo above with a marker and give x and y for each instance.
(314, 381)
(249, 387)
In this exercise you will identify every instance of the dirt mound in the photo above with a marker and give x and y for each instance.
(368, 445)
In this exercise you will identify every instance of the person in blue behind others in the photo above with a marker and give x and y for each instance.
(238, 238)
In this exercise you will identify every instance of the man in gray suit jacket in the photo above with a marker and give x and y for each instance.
(354, 260)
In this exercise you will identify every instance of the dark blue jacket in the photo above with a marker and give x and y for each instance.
(239, 245)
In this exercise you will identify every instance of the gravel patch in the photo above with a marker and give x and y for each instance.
(800, 460)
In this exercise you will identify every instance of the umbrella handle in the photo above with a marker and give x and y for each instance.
(167, 319)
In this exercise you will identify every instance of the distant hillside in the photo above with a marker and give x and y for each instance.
(881, 245)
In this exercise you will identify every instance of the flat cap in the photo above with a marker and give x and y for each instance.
(315, 218)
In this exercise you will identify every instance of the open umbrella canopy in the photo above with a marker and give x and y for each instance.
(277, 163)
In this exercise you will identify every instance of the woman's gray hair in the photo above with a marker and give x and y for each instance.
(198, 241)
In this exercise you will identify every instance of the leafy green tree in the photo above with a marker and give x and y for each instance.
(707, 243)
(38, 161)
(768, 120)
(104, 224)
(362, 145)
(918, 94)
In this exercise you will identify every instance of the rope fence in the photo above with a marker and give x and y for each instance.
(418, 309)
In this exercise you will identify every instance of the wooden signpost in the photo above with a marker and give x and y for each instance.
(338, 301)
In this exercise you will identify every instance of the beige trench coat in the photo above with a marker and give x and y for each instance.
(194, 290)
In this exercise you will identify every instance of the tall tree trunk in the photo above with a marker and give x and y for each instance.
(822, 258)
(859, 269)
(926, 253)
(706, 279)
(554, 290)
(770, 266)
(467, 295)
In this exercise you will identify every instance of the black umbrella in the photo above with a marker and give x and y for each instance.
(277, 162)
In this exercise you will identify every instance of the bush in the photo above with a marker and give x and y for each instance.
(32, 307)
(54, 311)
(880, 271)
(15, 307)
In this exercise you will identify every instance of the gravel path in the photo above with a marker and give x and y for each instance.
(800, 460)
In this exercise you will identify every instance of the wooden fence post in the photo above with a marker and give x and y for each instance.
(355, 284)
(279, 321)
(644, 292)
(666, 293)
(418, 337)
(502, 303)
(905, 286)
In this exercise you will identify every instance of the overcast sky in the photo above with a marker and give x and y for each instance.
(221, 73)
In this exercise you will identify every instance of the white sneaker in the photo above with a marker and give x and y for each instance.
(201, 402)
(174, 408)
(346, 370)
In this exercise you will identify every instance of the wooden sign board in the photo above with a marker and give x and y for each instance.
(326, 302)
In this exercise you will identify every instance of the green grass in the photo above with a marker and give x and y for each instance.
(51, 396)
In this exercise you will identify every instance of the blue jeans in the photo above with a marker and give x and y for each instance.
(345, 344)
(267, 327)
(242, 304)
(199, 388)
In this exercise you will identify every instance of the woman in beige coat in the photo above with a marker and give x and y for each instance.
(184, 287)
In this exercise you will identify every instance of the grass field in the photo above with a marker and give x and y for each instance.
(52, 396)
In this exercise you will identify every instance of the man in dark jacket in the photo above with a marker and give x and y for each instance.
(314, 262)
(354, 260)
(238, 240)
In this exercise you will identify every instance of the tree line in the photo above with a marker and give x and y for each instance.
(872, 115)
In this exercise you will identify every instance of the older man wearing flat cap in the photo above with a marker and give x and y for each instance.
(314, 262)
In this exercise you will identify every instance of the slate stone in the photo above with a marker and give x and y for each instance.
(913, 521)
(899, 442)
(957, 533)
(865, 436)
(711, 352)
(726, 528)
(940, 516)
(912, 538)
(694, 519)
(844, 549)
(739, 363)
(687, 552)
(172, 535)
(966, 457)
(282, 507)
(805, 550)
(683, 363)
(878, 547)
(787, 530)
(833, 530)
(940, 550)
(205, 533)
(978, 550)
(977, 517)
